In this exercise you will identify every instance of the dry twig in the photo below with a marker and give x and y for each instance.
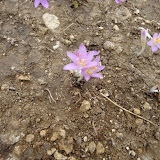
(128, 110)
(46, 89)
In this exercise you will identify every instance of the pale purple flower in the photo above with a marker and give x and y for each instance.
(43, 2)
(92, 71)
(81, 59)
(117, 1)
(155, 42)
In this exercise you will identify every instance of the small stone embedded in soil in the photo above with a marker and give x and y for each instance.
(51, 21)
(132, 153)
(85, 139)
(79, 140)
(100, 148)
(43, 133)
(54, 137)
(157, 135)
(108, 45)
(66, 145)
(18, 150)
(71, 158)
(59, 156)
(85, 106)
(92, 147)
(147, 106)
(4, 87)
(50, 152)
(139, 121)
(116, 27)
(62, 133)
(119, 135)
(29, 138)
(137, 111)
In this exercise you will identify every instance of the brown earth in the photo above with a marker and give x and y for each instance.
(33, 126)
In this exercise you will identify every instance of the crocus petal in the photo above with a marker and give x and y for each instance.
(70, 66)
(155, 35)
(97, 75)
(154, 48)
(36, 3)
(89, 58)
(45, 3)
(117, 1)
(87, 77)
(99, 68)
(73, 57)
(82, 51)
(97, 59)
(93, 52)
(150, 43)
(92, 64)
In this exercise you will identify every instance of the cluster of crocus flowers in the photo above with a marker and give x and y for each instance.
(117, 1)
(43, 2)
(82, 61)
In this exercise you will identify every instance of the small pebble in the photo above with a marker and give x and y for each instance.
(85, 139)
(54, 137)
(116, 27)
(100, 148)
(29, 138)
(43, 133)
(132, 153)
(92, 147)
(147, 106)
(137, 111)
(85, 106)
(50, 152)
(139, 121)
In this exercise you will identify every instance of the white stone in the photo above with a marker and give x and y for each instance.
(51, 21)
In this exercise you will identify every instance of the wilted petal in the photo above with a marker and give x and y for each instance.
(97, 75)
(36, 3)
(82, 51)
(70, 66)
(73, 57)
(44, 3)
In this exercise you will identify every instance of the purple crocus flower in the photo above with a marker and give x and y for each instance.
(155, 42)
(92, 71)
(81, 59)
(43, 2)
(117, 1)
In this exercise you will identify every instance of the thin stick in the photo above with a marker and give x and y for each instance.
(46, 89)
(68, 27)
(94, 128)
(128, 110)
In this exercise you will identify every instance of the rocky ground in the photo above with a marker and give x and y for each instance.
(46, 114)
